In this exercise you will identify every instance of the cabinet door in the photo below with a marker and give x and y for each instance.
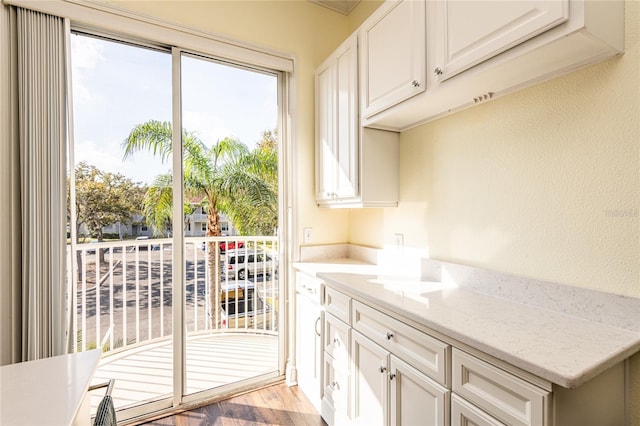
(369, 381)
(337, 124)
(415, 399)
(470, 32)
(347, 119)
(326, 140)
(393, 56)
(308, 347)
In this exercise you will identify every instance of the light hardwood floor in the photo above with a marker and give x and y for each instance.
(274, 405)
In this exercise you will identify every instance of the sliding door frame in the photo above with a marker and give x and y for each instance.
(120, 25)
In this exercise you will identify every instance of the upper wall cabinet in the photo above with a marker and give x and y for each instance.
(472, 32)
(393, 55)
(337, 124)
(479, 50)
(355, 167)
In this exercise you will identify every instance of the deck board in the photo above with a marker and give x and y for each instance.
(146, 373)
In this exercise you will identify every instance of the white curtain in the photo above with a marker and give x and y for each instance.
(32, 261)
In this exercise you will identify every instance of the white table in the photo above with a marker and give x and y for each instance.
(48, 391)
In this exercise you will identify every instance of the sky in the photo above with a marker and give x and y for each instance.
(116, 86)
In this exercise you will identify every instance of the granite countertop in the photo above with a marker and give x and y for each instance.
(564, 349)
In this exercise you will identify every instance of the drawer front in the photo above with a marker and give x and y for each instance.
(309, 287)
(338, 304)
(334, 407)
(336, 338)
(465, 414)
(423, 352)
(501, 394)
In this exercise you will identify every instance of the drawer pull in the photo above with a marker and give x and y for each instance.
(382, 369)
(389, 335)
(316, 327)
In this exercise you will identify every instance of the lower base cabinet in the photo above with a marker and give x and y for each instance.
(415, 399)
(379, 370)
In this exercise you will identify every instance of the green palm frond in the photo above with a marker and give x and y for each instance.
(158, 202)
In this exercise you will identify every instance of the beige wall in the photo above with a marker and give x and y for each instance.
(543, 183)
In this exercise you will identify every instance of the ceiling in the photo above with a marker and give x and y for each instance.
(340, 6)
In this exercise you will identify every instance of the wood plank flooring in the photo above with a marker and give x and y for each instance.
(274, 405)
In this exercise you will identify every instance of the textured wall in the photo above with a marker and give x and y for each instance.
(543, 183)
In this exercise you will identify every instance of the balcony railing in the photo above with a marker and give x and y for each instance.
(124, 290)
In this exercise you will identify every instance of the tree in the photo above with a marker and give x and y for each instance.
(251, 189)
(104, 198)
(207, 174)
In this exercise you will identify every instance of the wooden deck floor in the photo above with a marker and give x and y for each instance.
(273, 405)
(145, 373)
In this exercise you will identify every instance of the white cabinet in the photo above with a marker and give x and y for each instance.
(369, 383)
(335, 385)
(337, 123)
(414, 398)
(480, 50)
(470, 32)
(392, 52)
(354, 167)
(499, 393)
(308, 336)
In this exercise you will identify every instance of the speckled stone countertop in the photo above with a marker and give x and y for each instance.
(564, 349)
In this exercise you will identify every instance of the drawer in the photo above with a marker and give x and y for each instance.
(336, 338)
(423, 352)
(338, 304)
(334, 407)
(309, 287)
(499, 393)
(465, 414)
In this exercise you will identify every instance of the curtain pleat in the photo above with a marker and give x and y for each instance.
(41, 81)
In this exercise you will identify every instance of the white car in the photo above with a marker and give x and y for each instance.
(243, 263)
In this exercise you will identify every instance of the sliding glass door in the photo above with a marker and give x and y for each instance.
(230, 177)
(173, 218)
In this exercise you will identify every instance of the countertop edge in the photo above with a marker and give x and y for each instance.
(567, 381)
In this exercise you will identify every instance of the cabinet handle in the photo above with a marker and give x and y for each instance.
(392, 376)
(415, 83)
(389, 335)
(336, 341)
(316, 327)
(382, 369)
(334, 384)
(437, 71)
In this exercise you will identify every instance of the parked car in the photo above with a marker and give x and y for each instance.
(224, 245)
(242, 307)
(146, 247)
(230, 245)
(243, 263)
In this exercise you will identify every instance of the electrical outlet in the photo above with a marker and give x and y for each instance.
(307, 235)
(398, 241)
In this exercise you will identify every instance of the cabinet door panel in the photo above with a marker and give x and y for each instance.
(393, 55)
(326, 141)
(369, 382)
(472, 32)
(347, 119)
(416, 399)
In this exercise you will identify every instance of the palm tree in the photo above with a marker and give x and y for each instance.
(209, 172)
